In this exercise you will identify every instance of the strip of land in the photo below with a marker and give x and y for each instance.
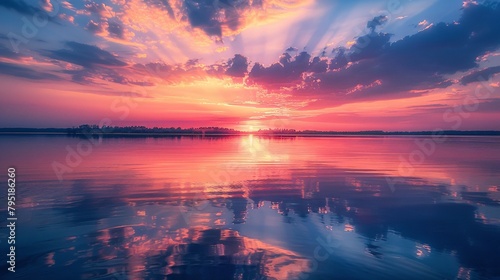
(141, 131)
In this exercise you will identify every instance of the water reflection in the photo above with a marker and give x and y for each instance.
(194, 253)
(252, 208)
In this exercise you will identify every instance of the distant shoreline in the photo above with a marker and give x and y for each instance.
(259, 134)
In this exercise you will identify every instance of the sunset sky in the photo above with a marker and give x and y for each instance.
(251, 64)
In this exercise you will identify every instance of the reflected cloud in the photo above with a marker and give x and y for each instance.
(180, 207)
(139, 251)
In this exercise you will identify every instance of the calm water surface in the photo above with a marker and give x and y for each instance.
(254, 208)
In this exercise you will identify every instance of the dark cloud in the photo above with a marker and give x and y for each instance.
(340, 58)
(94, 27)
(376, 21)
(104, 20)
(163, 4)
(20, 71)
(286, 72)
(237, 66)
(201, 14)
(291, 49)
(100, 10)
(23, 72)
(375, 68)
(116, 30)
(481, 75)
(369, 46)
(212, 16)
(24, 8)
(98, 64)
(489, 106)
(8, 53)
(86, 55)
(318, 65)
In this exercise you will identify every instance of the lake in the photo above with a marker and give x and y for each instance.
(249, 207)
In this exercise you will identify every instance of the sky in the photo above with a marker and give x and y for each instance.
(251, 64)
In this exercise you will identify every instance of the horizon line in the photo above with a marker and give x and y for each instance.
(92, 129)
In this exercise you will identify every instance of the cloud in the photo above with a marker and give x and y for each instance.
(82, 76)
(203, 15)
(221, 18)
(67, 17)
(21, 7)
(318, 65)
(23, 72)
(116, 30)
(192, 70)
(46, 5)
(369, 46)
(100, 75)
(173, 74)
(375, 68)
(95, 27)
(67, 5)
(85, 55)
(480, 75)
(8, 53)
(376, 21)
(214, 18)
(287, 72)
(489, 105)
(162, 5)
(105, 23)
(372, 67)
(97, 65)
(238, 66)
(100, 10)
(423, 23)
